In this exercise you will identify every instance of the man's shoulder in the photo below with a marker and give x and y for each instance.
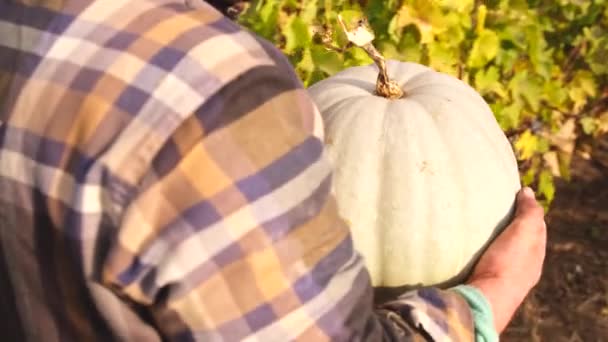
(117, 78)
(187, 40)
(171, 61)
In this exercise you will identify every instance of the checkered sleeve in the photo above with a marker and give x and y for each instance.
(234, 235)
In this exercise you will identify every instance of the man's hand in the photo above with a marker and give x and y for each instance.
(512, 264)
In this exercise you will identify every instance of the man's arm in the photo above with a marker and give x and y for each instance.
(234, 233)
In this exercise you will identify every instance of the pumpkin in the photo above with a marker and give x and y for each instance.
(425, 177)
(425, 180)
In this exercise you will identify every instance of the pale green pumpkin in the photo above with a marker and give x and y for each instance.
(425, 181)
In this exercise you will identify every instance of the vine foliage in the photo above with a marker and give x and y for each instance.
(542, 65)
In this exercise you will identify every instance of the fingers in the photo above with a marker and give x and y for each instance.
(529, 216)
(527, 206)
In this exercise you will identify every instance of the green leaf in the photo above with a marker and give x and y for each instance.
(509, 117)
(554, 93)
(409, 47)
(515, 35)
(529, 175)
(488, 81)
(327, 61)
(394, 30)
(581, 88)
(269, 14)
(587, 82)
(296, 35)
(517, 5)
(267, 9)
(539, 54)
(388, 50)
(351, 17)
(506, 58)
(453, 30)
(484, 49)
(305, 67)
(357, 57)
(408, 15)
(442, 59)
(536, 62)
(528, 87)
(545, 185)
(377, 12)
(542, 145)
(309, 11)
(598, 56)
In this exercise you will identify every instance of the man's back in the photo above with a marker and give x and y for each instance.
(81, 126)
(162, 176)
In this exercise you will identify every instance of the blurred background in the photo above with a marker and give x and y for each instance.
(542, 65)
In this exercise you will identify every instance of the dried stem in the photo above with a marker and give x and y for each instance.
(363, 38)
(384, 85)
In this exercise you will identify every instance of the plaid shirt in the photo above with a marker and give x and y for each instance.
(162, 177)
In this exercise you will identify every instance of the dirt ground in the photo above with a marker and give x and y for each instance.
(571, 301)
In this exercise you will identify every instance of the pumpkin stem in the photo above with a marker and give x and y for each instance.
(362, 37)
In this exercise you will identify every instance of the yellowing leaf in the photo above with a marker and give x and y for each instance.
(526, 145)
(581, 88)
(484, 49)
(589, 125)
(587, 82)
(406, 16)
(458, 5)
(482, 11)
(537, 63)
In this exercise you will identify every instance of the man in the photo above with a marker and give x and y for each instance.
(162, 178)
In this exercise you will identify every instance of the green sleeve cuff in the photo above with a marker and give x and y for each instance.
(482, 313)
